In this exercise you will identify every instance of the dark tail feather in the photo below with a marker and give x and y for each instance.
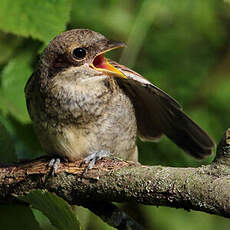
(186, 133)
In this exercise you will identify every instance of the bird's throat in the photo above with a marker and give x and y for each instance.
(100, 63)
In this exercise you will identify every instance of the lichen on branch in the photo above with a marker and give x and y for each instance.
(206, 188)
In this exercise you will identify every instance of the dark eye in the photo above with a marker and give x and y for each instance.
(79, 53)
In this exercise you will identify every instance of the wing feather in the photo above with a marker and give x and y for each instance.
(157, 113)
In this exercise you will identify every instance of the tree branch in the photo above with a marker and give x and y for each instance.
(206, 188)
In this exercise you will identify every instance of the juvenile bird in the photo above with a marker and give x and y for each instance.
(85, 106)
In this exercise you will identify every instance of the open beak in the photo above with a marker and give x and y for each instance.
(100, 63)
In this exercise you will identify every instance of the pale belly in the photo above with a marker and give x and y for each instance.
(75, 143)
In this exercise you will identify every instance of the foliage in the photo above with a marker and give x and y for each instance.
(38, 19)
(7, 151)
(181, 46)
(23, 214)
(55, 208)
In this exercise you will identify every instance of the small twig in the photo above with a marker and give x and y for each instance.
(112, 215)
(223, 150)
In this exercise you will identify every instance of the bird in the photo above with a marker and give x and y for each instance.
(85, 106)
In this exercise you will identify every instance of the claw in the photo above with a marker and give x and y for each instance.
(93, 158)
(54, 162)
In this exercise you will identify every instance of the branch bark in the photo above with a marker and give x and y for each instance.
(206, 188)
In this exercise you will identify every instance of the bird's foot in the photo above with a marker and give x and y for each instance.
(53, 164)
(93, 158)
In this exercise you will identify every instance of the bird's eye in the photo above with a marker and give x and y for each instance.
(79, 53)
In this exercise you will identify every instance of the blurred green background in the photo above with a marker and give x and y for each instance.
(183, 47)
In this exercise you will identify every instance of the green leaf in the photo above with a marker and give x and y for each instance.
(43, 221)
(18, 217)
(7, 151)
(8, 44)
(13, 80)
(26, 142)
(55, 208)
(41, 19)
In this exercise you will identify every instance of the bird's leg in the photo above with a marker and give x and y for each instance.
(54, 163)
(93, 158)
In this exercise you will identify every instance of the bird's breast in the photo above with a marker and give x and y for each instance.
(78, 99)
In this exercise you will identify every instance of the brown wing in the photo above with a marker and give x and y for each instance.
(157, 113)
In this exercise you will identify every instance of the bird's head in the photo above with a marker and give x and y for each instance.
(78, 47)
